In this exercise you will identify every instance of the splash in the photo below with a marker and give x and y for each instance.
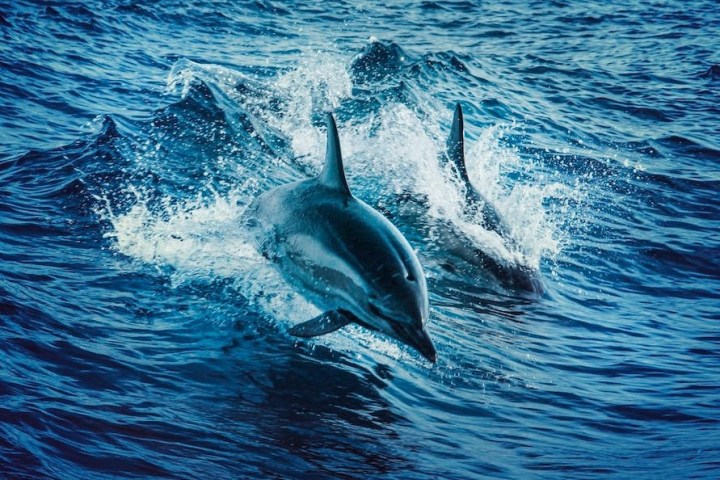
(521, 203)
(392, 152)
(398, 152)
(317, 85)
(201, 241)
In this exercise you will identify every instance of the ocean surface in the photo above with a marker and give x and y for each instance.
(143, 336)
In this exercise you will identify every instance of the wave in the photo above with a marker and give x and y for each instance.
(141, 329)
(168, 191)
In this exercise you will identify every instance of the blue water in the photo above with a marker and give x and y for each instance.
(142, 336)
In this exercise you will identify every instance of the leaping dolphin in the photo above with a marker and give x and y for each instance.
(344, 256)
(513, 273)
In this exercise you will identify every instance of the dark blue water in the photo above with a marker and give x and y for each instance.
(142, 336)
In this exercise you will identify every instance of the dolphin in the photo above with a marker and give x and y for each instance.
(344, 256)
(477, 205)
(475, 202)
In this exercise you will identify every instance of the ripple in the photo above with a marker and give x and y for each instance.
(140, 334)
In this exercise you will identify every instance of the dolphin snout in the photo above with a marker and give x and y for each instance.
(419, 339)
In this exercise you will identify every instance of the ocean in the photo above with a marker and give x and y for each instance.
(142, 335)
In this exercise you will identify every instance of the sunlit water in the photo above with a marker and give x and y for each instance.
(142, 334)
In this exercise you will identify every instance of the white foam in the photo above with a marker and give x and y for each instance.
(397, 151)
(319, 83)
(202, 240)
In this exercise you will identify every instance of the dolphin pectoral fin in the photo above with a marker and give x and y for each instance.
(324, 323)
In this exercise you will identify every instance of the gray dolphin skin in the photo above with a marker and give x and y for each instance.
(474, 200)
(519, 276)
(344, 256)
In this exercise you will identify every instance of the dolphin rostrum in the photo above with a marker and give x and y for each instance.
(344, 256)
(513, 273)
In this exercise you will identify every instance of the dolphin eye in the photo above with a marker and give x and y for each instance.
(410, 277)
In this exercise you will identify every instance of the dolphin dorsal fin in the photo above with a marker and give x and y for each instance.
(333, 173)
(456, 144)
